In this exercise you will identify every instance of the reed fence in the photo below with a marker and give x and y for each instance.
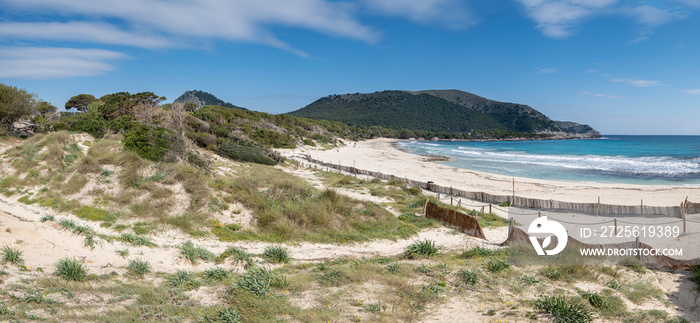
(598, 208)
(464, 222)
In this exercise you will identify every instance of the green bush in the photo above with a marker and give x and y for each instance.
(154, 143)
(239, 256)
(71, 269)
(245, 153)
(91, 122)
(271, 138)
(496, 265)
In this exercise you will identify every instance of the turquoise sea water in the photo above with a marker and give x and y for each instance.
(665, 160)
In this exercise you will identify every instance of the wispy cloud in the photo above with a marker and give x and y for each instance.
(691, 92)
(637, 82)
(556, 18)
(238, 21)
(51, 62)
(89, 32)
(600, 95)
(559, 18)
(451, 13)
(550, 70)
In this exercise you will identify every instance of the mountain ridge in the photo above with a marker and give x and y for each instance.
(202, 99)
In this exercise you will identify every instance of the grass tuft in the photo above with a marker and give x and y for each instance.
(260, 281)
(276, 254)
(139, 267)
(563, 309)
(12, 256)
(193, 253)
(424, 248)
(184, 280)
(71, 269)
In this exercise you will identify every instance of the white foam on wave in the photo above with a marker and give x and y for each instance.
(643, 166)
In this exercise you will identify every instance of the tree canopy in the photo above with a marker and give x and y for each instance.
(15, 104)
(80, 102)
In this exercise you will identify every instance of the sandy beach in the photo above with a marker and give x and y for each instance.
(381, 155)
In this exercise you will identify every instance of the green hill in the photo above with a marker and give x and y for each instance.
(398, 110)
(443, 111)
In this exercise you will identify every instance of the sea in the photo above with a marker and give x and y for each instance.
(652, 160)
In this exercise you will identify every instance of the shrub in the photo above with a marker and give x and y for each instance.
(12, 256)
(139, 267)
(154, 143)
(91, 122)
(425, 248)
(245, 153)
(71, 269)
(194, 254)
(277, 254)
(563, 309)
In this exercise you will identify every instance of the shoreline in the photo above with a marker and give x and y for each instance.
(380, 154)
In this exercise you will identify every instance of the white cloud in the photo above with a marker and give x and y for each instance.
(52, 62)
(637, 82)
(210, 20)
(550, 70)
(558, 18)
(451, 13)
(652, 16)
(600, 95)
(81, 32)
(692, 92)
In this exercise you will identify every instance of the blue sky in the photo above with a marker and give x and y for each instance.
(622, 66)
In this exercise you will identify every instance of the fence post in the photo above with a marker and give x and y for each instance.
(512, 202)
(539, 214)
(425, 208)
(459, 203)
(438, 197)
(450, 200)
(597, 211)
(451, 190)
(636, 246)
(490, 211)
(615, 227)
(642, 206)
(683, 215)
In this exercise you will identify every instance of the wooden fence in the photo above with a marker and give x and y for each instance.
(465, 223)
(680, 211)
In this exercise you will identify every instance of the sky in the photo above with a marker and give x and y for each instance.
(621, 66)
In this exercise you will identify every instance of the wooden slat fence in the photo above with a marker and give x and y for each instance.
(587, 208)
(465, 223)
